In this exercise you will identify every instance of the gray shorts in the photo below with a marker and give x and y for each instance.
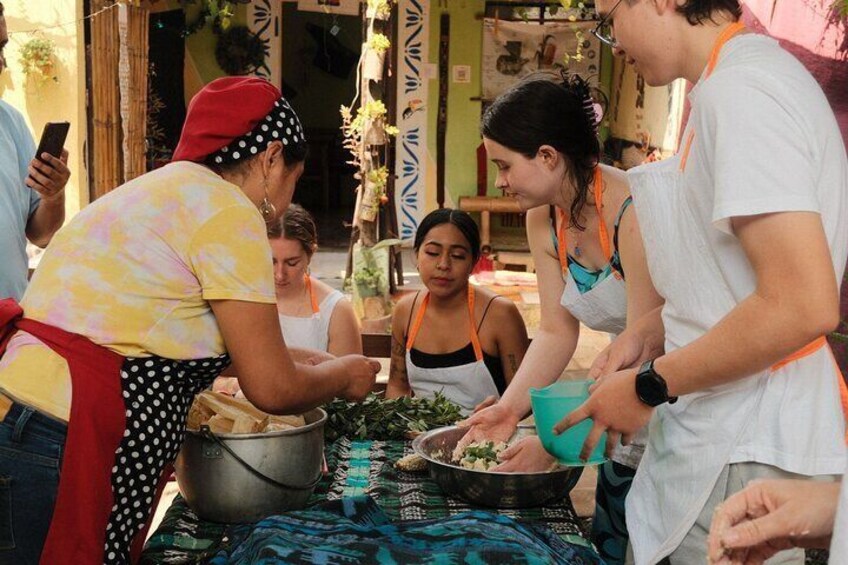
(733, 478)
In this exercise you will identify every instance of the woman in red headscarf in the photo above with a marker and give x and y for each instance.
(137, 305)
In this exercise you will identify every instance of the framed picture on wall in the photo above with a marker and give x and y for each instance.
(341, 7)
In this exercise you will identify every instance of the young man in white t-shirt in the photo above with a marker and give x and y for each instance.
(745, 236)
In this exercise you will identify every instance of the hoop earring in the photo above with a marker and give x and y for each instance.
(266, 208)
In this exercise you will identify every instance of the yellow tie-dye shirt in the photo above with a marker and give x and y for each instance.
(134, 272)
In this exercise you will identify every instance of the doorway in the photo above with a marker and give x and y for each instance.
(320, 54)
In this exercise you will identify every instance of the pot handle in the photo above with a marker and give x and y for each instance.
(206, 433)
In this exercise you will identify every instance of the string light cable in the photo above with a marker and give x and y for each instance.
(88, 17)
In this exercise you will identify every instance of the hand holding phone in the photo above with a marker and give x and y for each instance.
(52, 139)
(48, 176)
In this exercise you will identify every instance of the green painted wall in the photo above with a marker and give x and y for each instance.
(201, 66)
(463, 131)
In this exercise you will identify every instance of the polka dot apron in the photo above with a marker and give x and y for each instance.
(126, 425)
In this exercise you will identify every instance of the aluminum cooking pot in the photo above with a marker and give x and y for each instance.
(235, 478)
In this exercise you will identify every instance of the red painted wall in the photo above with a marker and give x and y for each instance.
(813, 31)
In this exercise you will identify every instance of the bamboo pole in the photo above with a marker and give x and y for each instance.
(106, 148)
(135, 130)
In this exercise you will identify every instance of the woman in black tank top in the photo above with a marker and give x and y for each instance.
(440, 330)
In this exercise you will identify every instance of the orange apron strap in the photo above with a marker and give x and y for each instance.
(562, 253)
(808, 349)
(312, 299)
(599, 205)
(712, 61)
(478, 351)
(725, 36)
(843, 391)
(603, 234)
(417, 323)
(685, 155)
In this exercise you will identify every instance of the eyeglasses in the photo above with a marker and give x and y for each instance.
(603, 31)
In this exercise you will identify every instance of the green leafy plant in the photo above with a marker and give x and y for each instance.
(379, 178)
(219, 13)
(377, 418)
(38, 57)
(379, 43)
(370, 278)
(372, 114)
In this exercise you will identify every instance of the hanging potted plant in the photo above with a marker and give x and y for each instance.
(38, 58)
(370, 285)
(378, 9)
(375, 193)
(374, 122)
(375, 56)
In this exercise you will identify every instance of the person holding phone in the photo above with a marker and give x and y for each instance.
(32, 192)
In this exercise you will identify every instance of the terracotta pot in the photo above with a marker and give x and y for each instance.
(379, 325)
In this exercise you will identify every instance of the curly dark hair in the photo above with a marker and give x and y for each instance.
(697, 11)
(555, 110)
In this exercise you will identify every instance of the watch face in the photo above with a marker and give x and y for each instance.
(650, 388)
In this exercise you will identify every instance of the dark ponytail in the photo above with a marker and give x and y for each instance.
(550, 110)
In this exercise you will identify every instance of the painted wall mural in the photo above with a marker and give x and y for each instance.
(514, 50)
(411, 120)
(264, 18)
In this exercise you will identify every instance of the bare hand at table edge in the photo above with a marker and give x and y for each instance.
(770, 516)
(525, 456)
(495, 423)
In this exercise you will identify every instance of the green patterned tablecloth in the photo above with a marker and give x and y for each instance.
(358, 468)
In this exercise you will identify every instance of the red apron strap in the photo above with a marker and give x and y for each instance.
(10, 312)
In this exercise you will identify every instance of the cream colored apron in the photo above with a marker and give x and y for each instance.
(466, 385)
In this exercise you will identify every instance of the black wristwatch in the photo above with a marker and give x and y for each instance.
(651, 388)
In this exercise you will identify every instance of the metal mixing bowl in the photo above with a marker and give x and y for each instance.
(220, 488)
(488, 488)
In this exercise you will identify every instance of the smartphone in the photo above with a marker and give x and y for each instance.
(53, 139)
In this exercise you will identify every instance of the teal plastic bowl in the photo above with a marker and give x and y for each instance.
(553, 403)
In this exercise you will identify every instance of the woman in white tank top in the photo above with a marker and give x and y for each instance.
(312, 314)
(314, 317)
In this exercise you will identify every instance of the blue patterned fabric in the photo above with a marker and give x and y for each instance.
(356, 530)
(609, 528)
